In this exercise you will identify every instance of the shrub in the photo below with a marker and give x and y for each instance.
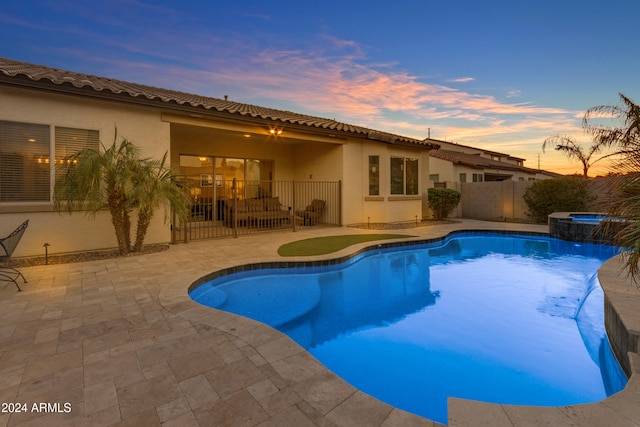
(546, 196)
(443, 201)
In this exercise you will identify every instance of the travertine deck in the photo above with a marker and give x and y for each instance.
(121, 343)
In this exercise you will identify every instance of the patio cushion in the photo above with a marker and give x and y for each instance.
(316, 206)
(241, 206)
(254, 205)
(272, 204)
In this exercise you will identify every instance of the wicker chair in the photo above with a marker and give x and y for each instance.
(7, 246)
(312, 213)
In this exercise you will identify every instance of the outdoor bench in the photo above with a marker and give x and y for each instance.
(263, 211)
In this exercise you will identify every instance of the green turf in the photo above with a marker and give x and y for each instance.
(326, 245)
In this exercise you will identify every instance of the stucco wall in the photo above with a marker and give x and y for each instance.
(445, 169)
(318, 162)
(78, 232)
(500, 200)
(359, 206)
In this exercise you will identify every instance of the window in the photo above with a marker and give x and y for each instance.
(374, 175)
(404, 175)
(397, 175)
(257, 175)
(463, 177)
(70, 141)
(25, 166)
(24, 162)
(478, 177)
(434, 177)
(208, 176)
(412, 176)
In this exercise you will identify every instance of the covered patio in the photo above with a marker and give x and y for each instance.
(269, 175)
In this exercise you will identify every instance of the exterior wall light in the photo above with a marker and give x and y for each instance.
(275, 131)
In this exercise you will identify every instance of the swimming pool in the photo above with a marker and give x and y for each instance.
(498, 318)
(593, 218)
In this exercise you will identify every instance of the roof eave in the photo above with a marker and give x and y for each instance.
(46, 85)
(67, 88)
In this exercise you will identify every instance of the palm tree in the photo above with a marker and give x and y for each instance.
(571, 149)
(626, 135)
(626, 204)
(155, 185)
(118, 179)
(619, 126)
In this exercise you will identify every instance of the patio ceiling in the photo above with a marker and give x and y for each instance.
(186, 127)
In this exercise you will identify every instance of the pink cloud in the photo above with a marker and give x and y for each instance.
(334, 77)
(336, 80)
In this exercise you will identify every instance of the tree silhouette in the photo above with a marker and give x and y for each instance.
(573, 150)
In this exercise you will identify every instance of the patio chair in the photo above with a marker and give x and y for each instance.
(7, 246)
(311, 214)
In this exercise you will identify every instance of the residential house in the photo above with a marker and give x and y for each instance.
(492, 183)
(461, 163)
(47, 114)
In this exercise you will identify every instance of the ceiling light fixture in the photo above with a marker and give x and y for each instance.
(275, 130)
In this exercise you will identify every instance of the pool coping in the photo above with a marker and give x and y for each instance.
(622, 408)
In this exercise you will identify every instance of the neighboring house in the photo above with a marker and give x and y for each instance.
(47, 114)
(492, 183)
(461, 163)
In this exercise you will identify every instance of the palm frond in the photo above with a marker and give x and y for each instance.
(619, 126)
(117, 177)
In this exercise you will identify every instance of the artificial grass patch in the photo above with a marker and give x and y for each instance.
(328, 244)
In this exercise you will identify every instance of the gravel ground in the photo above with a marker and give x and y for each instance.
(82, 256)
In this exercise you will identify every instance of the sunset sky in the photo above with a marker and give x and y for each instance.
(497, 74)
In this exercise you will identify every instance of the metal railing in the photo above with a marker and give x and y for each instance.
(237, 207)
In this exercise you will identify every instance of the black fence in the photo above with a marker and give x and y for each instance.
(236, 207)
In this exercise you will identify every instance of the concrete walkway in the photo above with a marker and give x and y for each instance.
(119, 342)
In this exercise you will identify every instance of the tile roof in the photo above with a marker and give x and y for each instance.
(445, 144)
(17, 73)
(476, 161)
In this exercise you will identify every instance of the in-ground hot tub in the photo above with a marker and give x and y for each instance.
(581, 227)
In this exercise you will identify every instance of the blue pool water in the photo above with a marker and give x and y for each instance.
(592, 218)
(497, 318)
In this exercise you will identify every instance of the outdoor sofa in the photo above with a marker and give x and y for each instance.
(263, 212)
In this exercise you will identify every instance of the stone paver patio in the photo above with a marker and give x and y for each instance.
(119, 342)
